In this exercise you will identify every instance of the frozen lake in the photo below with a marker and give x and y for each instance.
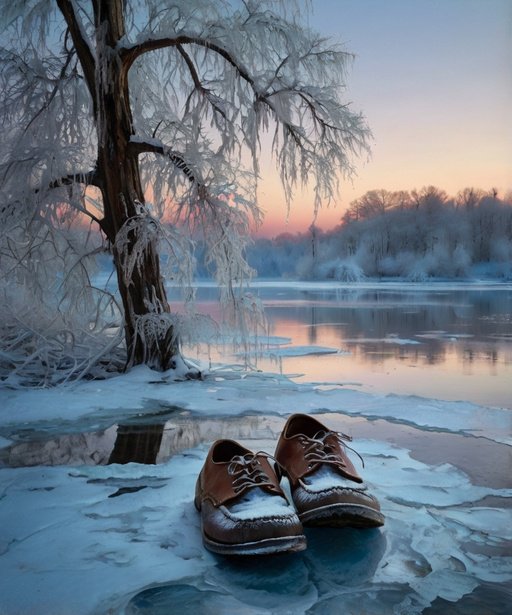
(450, 341)
(97, 477)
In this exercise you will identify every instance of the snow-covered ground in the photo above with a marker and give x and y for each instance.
(79, 538)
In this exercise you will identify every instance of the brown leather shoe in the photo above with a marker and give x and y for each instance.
(243, 509)
(325, 487)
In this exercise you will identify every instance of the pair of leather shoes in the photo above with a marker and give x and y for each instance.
(244, 510)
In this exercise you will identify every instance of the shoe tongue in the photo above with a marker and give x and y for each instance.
(320, 435)
(333, 447)
(245, 475)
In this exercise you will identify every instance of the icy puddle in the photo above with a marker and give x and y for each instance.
(155, 442)
(114, 517)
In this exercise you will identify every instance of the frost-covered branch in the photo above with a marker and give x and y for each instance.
(154, 146)
(130, 54)
(89, 178)
(81, 43)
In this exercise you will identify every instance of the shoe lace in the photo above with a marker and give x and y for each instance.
(247, 471)
(317, 450)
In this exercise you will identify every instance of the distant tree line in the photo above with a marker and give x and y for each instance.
(412, 235)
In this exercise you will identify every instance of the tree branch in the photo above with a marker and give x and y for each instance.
(90, 178)
(130, 54)
(53, 93)
(148, 147)
(191, 68)
(198, 85)
(83, 50)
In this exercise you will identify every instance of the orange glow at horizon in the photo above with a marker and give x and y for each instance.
(451, 169)
(439, 113)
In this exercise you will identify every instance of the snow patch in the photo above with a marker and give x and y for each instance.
(258, 503)
(327, 478)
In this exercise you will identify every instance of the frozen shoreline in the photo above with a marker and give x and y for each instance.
(232, 393)
(476, 283)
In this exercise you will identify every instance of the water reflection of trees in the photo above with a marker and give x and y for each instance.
(468, 324)
(137, 443)
(375, 352)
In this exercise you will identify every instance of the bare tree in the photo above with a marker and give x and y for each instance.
(134, 112)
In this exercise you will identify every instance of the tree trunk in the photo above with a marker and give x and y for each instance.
(149, 334)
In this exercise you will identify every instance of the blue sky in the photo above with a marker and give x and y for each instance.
(434, 79)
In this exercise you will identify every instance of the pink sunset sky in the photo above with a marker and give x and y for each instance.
(434, 80)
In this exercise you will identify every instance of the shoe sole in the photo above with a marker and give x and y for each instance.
(269, 546)
(343, 515)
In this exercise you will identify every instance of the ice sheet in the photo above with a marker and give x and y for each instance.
(298, 351)
(126, 538)
(84, 546)
(395, 284)
(390, 339)
(230, 393)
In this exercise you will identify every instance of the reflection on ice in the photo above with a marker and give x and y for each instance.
(135, 538)
(400, 338)
(286, 584)
(90, 537)
(420, 555)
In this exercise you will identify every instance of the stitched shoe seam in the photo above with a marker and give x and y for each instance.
(340, 490)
